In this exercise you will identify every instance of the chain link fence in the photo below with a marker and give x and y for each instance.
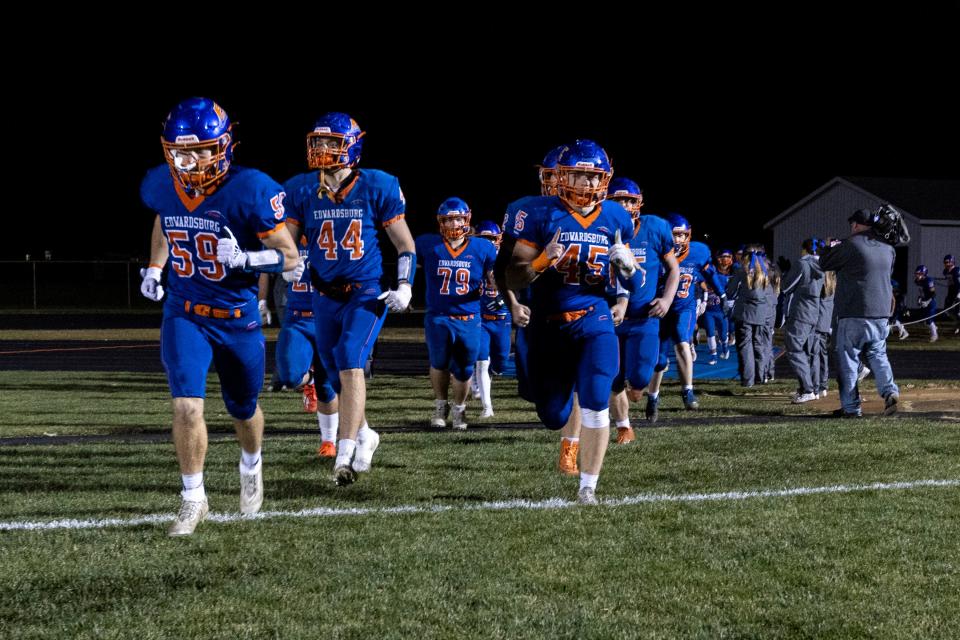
(58, 284)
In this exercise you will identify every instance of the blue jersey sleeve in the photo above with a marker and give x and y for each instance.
(267, 206)
(392, 206)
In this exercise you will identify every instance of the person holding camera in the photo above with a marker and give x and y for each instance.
(863, 264)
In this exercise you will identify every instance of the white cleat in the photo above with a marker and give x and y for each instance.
(587, 496)
(458, 419)
(251, 490)
(487, 412)
(367, 442)
(439, 419)
(191, 514)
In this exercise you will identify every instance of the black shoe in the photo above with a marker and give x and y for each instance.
(890, 404)
(840, 413)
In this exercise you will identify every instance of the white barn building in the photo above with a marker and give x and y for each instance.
(931, 209)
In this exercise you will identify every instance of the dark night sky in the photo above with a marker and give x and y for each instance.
(729, 133)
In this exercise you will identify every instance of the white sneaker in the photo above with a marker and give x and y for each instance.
(458, 419)
(367, 442)
(586, 496)
(487, 412)
(251, 490)
(863, 374)
(823, 393)
(800, 398)
(191, 514)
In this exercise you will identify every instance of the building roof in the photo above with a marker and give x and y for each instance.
(926, 200)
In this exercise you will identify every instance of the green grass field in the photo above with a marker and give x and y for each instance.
(473, 535)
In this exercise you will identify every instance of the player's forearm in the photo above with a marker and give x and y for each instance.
(159, 251)
(520, 275)
(502, 262)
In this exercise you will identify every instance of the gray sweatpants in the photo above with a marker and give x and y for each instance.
(799, 343)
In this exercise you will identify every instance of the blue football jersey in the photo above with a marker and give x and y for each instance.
(691, 275)
(581, 276)
(247, 202)
(454, 276)
(714, 303)
(515, 219)
(300, 294)
(652, 240)
(342, 233)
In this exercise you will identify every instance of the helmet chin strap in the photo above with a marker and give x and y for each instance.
(331, 181)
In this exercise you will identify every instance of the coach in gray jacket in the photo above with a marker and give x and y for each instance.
(863, 264)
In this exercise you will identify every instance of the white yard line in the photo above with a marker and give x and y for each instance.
(552, 503)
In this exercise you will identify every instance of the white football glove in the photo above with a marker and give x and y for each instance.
(151, 287)
(230, 253)
(701, 307)
(621, 257)
(295, 274)
(923, 303)
(265, 316)
(397, 299)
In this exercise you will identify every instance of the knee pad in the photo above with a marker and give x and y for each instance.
(594, 419)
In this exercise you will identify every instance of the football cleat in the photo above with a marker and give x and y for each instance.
(367, 442)
(652, 411)
(191, 514)
(587, 495)
(458, 419)
(327, 449)
(439, 419)
(310, 398)
(568, 457)
(343, 475)
(251, 490)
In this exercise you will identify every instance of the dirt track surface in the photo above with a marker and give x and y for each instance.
(400, 358)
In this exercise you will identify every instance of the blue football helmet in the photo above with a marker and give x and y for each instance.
(583, 156)
(548, 171)
(491, 231)
(681, 232)
(450, 211)
(628, 193)
(921, 272)
(197, 143)
(334, 143)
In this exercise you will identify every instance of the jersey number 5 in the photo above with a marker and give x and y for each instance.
(184, 263)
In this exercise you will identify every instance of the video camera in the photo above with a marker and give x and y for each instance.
(889, 225)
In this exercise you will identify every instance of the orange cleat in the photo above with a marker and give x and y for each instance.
(568, 458)
(327, 450)
(625, 435)
(310, 398)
